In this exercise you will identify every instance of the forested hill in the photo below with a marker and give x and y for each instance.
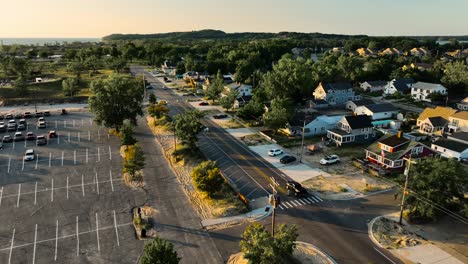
(221, 35)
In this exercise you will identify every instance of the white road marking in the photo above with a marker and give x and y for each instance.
(11, 246)
(74, 157)
(289, 205)
(305, 201)
(97, 233)
(34, 248)
(110, 153)
(315, 199)
(89, 136)
(67, 187)
(97, 184)
(35, 193)
(19, 194)
(111, 182)
(99, 134)
(62, 158)
(25, 142)
(79, 137)
(318, 198)
(281, 207)
(55, 123)
(293, 203)
(116, 230)
(68, 137)
(86, 156)
(77, 238)
(300, 201)
(64, 123)
(52, 191)
(90, 121)
(56, 240)
(1, 195)
(82, 184)
(310, 200)
(50, 158)
(14, 144)
(9, 164)
(82, 122)
(73, 122)
(37, 161)
(108, 136)
(22, 166)
(98, 155)
(58, 139)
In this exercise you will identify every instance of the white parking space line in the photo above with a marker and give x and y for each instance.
(77, 238)
(116, 230)
(55, 123)
(89, 136)
(86, 156)
(64, 123)
(50, 158)
(62, 158)
(110, 153)
(97, 184)
(79, 137)
(34, 248)
(14, 144)
(67, 187)
(99, 134)
(25, 141)
(82, 122)
(22, 166)
(73, 122)
(74, 157)
(1, 195)
(52, 191)
(35, 193)
(98, 155)
(97, 233)
(58, 139)
(9, 164)
(82, 184)
(111, 182)
(68, 137)
(56, 240)
(19, 194)
(37, 161)
(11, 246)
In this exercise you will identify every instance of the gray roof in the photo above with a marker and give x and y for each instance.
(452, 145)
(438, 121)
(376, 83)
(380, 108)
(336, 86)
(463, 136)
(362, 102)
(359, 121)
(427, 86)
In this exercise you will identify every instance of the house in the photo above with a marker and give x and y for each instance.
(377, 111)
(463, 104)
(458, 122)
(389, 152)
(241, 101)
(335, 93)
(443, 112)
(315, 124)
(458, 53)
(318, 104)
(391, 51)
(364, 52)
(433, 126)
(418, 65)
(351, 105)
(402, 85)
(419, 52)
(373, 86)
(461, 137)
(421, 91)
(352, 129)
(451, 149)
(338, 49)
(241, 89)
(227, 79)
(168, 68)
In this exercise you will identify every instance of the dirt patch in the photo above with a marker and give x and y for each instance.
(392, 235)
(135, 181)
(143, 222)
(254, 140)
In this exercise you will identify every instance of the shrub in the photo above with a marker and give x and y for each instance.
(207, 178)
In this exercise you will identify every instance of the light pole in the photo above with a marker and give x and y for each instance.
(407, 169)
(274, 201)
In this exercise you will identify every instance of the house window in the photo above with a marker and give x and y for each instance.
(417, 150)
(397, 163)
(366, 136)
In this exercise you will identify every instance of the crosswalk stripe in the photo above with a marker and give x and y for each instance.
(295, 203)
(305, 201)
(281, 207)
(318, 198)
(310, 199)
(301, 202)
(288, 205)
(315, 198)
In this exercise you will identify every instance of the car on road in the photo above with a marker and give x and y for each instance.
(29, 155)
(220, 116)
(275, 152)
(295, 188)
(7, 139)
(18, 136)
(30, 136)
(203, 103)
(41, 124)
(330, 159)
(41, 140)
(287, 159)
(53, 134)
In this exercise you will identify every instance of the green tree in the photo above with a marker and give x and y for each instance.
(116, 99)
(134, 160)
(207, 177)
(158, 110)
(44, 54)
(214, 90)
(76, 68)
(21, 86)
(152, 98)
(227, 102)
(116, 64)
(188, 125)
(350, 67)
(278, 116)
(126, 133)
(259, 247)
(20, 67)
(159, 251)
(252, 110)
(70, 86)
(456, 77)
(439, 181)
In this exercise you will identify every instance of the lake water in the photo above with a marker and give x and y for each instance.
(443, 42)
(42, 41)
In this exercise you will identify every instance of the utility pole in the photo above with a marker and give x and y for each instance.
(302, 145)
(274, 201)
(407, 169)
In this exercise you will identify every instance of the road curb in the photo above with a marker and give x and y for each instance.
(238, 219)
(319, 251)
(371, 234)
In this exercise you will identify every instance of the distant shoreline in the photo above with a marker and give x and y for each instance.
(43, 41)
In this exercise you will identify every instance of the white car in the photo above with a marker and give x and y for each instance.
(275, 152)
(41, 124)
(330, 159)
(29, 155)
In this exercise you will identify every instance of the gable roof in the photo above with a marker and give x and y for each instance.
(336, 86)
(359, 121)
(444, 112)
(402, 84)
(362, 102)
(450, 144)
(461, 115)
(437, 121)
(394, 141)
(298, 119)
(380, 108)
(427, 86)
(461, 135)
(375, 148)
(376, 83)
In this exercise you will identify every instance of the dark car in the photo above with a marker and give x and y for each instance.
(46, 113)
(41, 140)
(9, 116)
(149, 87)
(287, 159)
(295, 188)
(203, 103)
(27, 115)
(39, 114)
(30, 136)
(21, 127)
(2, 127)
(52, 134)
(220, 116)
(18, 116)
(7, 139)
(2, 117)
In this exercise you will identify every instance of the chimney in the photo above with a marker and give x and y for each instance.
(400, 134)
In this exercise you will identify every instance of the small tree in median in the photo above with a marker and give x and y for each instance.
(158, 110)
(126, 133)
(134, 160)
(188, 125)
(207, 177)
(159, 251)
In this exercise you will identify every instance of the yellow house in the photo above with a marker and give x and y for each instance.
(458, 122)
(365, 52)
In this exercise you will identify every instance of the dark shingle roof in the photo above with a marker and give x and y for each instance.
(394, 141)
(452, 145)
(463, 136)
(359, 121)
(377, 83)
(363, 102)
(336, 86)
(402, 84)
(298, 118)
(438, 121)
(379, 108)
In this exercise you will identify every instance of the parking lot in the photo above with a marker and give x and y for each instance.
(68, 204)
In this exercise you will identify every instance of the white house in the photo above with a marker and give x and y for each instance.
(315, 124)
(352, 105)
(373, 86)
(463, 104)
(421, 91)
(402, 85)
(241, 89)
(451, 149)
(377, 111)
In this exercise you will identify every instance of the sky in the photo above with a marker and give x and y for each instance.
(98, 18)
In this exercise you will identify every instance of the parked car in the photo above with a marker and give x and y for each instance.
(330, 159)
(27, 115)
(2, 117)
(39, 114)
(18, 116)
(41, 124)
(2, 127)
(9, 116)
(220, 116)
(53, 134)
(203, 103)
(30, 136)
(41, 140)
(21, 127)
(22, 121)
(11, 125)
(7, 139)
(287, 159)
(1, 145)
(295, 188)
(46, 113)
(275, 152)
(29, 155)
(40, 119)
(18, 136)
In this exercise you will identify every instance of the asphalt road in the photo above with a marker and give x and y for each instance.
(338, 227)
